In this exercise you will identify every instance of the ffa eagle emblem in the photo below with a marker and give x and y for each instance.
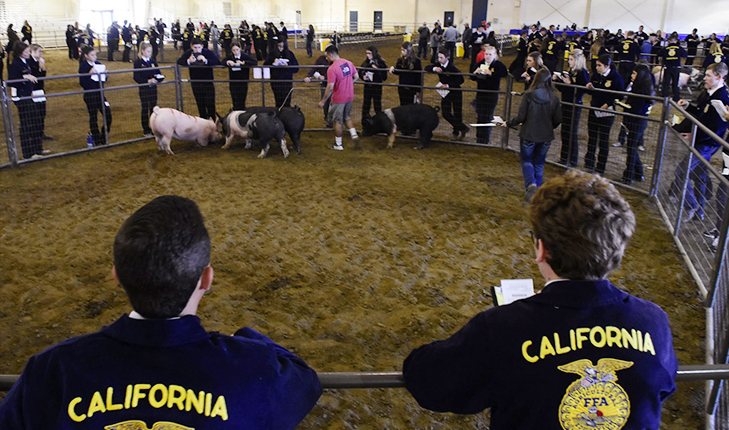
(626, 46)
(671, 52)
(141, 425)
(595, 401)
(608, 83)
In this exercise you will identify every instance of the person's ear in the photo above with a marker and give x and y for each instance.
(206, 280)
(113, 273)
(541, 251)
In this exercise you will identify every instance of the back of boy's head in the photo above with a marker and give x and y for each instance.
(160, 253)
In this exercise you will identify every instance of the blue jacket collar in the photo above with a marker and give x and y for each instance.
(581, 293)
(160, 333)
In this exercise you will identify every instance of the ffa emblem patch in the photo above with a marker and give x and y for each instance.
(706, 109)
(671, 52)
(626, 46)
(141, 425)
(608, 83)
(595, 401)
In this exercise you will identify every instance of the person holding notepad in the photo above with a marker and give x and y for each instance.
(92, 80)
(580, 354)
(488, 74)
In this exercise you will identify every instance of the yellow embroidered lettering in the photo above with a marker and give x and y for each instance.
(198, 402)
(546, 348)
(613, 336)
(176, 400)
(629, 338)
(96, 405)
(581, 332)
(640, 341)
(648, 344)
(573, 344)
(128, 397)
(72, 411)
(526, 355)
(208, 401)
(220, 409)
(110, 406)
(557, 346)
(597, 330)
(138, 394)
(153, 399)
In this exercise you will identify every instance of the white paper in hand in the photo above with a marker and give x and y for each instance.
(257, 73)
(720, 109)
(516, 289)
(369, 76)
(443, 92)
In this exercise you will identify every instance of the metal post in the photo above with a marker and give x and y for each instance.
(103, 112)
(9, 127)
(263, 90)
(572, 143)
(178, 88)
(694, 129)
(422, 86)
(660, 147)
(507, 110)
(720, 253)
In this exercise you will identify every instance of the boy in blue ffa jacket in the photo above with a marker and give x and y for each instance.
(708, 115)
(29, 113)
(671, 55)
(147, 73)
(280, 57)
(157, 367)
(628, 54)
(200, 61)
(600, 357)
(451, 105)
(600, 123)
(238, 63)
(92, 82)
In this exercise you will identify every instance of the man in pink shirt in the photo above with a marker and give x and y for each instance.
(341, 76)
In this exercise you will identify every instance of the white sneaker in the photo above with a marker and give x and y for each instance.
(641, 148)
(337, 147)
(617, 145)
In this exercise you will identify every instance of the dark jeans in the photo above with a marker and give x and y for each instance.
(670, 77)
(451, 49)
(31, 135)
(322, 91)
(281, 93)
(372, 96)
(532, 156)
(466, 50)
(204, 93)
(451, 107)
(696, 194)
(126, 54)
(94, 105)
(407, 95)
(485, 106)
(238, 94)
(721, 195)
(598, 131)
(570, 144)
(434, 58)
(636, 128)
(423, 48)
(308, 47)
(625, 70)
(113, 46)
(691, 54)
(148, 97)
(72, 50)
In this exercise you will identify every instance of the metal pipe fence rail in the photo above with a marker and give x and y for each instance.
(680, 177)
(369, 380)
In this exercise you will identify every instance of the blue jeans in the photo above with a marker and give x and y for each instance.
(696, 194)
(308, 47)
(532, 156)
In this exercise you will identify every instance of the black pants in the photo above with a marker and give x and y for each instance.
(466, 50)
(407, 95)
(423, 48)
(238, 94)
(113, 46)
(281, 93)
(148, 97)
(451, 107)
(126, 54)
(485, 106)
(227, 47)
(94, 105)
(322, 91)
(625, 70)
(451, 50)
(42, 114)
(670, 77)
(31, 135)
(372, 96)
(691, 54)
(434, 58)
(570, 145)
(257, 46)
(72, 50)
(633, 166)
(204, 93)
(598, 131)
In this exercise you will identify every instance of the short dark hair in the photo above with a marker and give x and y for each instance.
(86, 49)
(605, 59)
(584, 224)
(196, 41)
(331, 49)
(160, 253)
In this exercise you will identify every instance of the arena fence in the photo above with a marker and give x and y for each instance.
(702, 242)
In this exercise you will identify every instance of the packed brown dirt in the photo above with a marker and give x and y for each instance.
(350, 259)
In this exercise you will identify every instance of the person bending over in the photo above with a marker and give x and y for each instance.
(580, 354)
(157, 367)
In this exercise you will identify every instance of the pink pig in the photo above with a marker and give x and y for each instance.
(167, 123)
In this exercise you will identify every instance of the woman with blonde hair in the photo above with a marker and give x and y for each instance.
(596, 50)
(715, 55)
(577, 75)
(147, 75)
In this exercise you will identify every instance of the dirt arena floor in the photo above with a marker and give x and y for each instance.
(350, 259)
